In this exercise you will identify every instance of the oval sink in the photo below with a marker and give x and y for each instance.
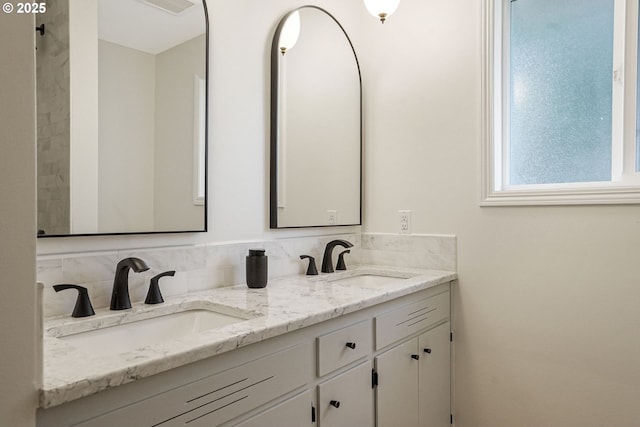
(141, 333)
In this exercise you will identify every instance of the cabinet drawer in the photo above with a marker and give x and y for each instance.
(220, 397)
(344, 346)
(406, 320)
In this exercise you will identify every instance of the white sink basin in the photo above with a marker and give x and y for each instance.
(368, 280)
(141, 333)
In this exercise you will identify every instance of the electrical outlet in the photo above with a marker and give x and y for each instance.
(332, 217)
(404, 221)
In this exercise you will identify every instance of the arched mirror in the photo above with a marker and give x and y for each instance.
(316, 122)
(122, 117)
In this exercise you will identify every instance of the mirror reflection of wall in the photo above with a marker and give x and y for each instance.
(126, 84)
(316, 123)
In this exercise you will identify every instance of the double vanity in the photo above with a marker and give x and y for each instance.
(354, 348)
(359, 348)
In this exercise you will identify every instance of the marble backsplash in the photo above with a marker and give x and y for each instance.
(435, 252)
(216, 265)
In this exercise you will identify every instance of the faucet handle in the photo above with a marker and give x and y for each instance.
(341, 265)
(311, 269)
(154, 296)
(83, 307)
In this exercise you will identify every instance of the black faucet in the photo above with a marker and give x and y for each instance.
(327, 261)
(120, 295)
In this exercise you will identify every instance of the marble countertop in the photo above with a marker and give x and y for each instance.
(285, 305)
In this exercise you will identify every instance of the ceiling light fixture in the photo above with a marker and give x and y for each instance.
(381, 8)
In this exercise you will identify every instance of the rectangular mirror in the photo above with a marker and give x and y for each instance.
(122, 117)
(316, 123)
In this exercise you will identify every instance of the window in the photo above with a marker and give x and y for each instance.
(559, 102)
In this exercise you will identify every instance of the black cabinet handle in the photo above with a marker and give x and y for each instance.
(351, 345)
(335, 403)
(427, 350)
(415, 356)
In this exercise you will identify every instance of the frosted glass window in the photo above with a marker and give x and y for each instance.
(560, 91)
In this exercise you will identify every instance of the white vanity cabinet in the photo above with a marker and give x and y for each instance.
(354, 370)
(216, 398)
(414, 374)
(208, 393)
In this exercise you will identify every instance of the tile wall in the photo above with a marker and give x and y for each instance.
(53, 108)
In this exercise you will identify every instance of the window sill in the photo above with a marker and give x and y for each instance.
(610, 195)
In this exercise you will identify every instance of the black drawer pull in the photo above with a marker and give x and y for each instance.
(427, 350)
(351, 345)
(415, 356)
(335, 403)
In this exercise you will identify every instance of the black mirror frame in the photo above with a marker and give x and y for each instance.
(206, 159)
(273, 183)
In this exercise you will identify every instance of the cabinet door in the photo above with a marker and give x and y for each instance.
(292, 412)
(397, 391)
(435, 377)
(347, 400)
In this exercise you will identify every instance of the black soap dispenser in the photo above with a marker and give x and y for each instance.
(257, 268)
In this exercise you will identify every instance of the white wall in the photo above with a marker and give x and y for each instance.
(126, 127)
(173, 200)
(18, 396)
(547, 308)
